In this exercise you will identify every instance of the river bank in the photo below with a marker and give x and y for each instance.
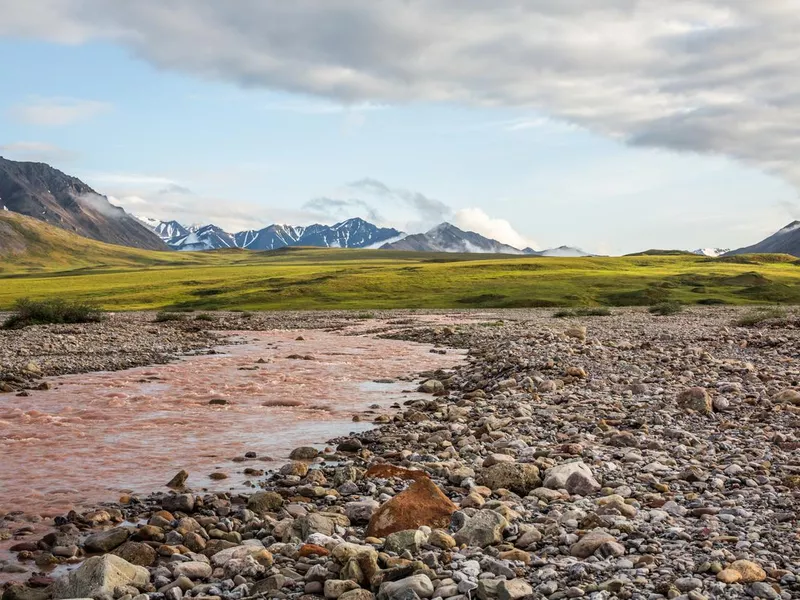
(618, 457)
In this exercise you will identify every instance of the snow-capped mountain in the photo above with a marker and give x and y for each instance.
(166, 230)
(449, 238)
(711, 252)
(783, 241)
(353, 233)
(208, 237)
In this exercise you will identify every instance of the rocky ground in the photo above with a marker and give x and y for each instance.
(629, 456)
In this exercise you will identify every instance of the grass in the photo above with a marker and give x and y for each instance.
(761, 315)
(54, 310)
(664, 309)
(118, 278)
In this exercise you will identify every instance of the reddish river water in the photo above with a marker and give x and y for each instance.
(94, 436)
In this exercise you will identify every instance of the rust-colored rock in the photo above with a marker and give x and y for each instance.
(310, 549)
(386, 471)
(423, 503)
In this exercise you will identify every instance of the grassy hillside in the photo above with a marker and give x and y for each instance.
(54, 262)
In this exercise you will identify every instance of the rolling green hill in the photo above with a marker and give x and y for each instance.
(37, 260)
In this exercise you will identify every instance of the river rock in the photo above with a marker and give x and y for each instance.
(696, 399)
(106, 541)
(513, 589)
(431, 386)
(420, 584)
(334, 588)
(749, 571)
(304, 453)
(179, 503)
(483, 529)
(590, 542)
(99, 576)
(400, 541)
(789, 396)
(263, 502)
(137, 553)
(575, 477)
(361, 511)
(422, 503)
(179, 481)
(193, 570)
(520, 478)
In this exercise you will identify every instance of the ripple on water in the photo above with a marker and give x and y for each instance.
(95, 434)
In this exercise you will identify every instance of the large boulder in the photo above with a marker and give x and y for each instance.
(520, 478)
(422, 503)
(99, 576)
(575, 477)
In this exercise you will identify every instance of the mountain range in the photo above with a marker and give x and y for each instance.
(352, 233)
(40, 191)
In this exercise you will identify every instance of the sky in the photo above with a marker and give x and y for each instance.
(610, 125)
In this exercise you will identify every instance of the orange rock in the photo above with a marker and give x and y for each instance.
(385, 471)
(423, 503)
(750, 571)
(309, 549)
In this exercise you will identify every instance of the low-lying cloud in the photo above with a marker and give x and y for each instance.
(475, 219)
(704, 76)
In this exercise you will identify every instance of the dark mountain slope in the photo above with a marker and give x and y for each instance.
(40, 191)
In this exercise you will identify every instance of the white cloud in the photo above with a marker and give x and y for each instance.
(475, 219)
(57, 111)
(706, 76)
(36, 151)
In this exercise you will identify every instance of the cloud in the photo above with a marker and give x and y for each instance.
(339, 209)
(54, 112)
(162, 198)
(425, 212)
(36, 151)
(475, 219)
(429, 210)
(704, 76)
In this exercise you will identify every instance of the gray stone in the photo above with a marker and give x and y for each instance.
(514, 589)
(100, 576)
(106, 541)
(483, 529)
(575, 477)
(409, 539)
(419, 584)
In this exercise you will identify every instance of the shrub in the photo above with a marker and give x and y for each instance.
(41, 312)
(664, 309)
(204, 317)
(166, 316)
(759, 315)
